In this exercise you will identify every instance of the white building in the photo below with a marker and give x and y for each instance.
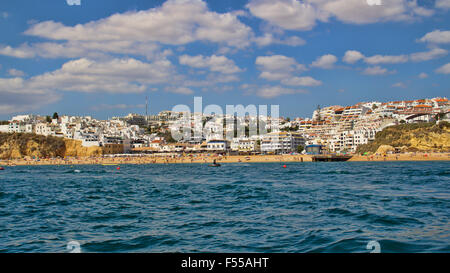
(281, 142)
(16, 127)
(4, 128)
(348, 141)
(218, 145)
(244, 144)
(90, 140)
(24, 118)
(43, 129)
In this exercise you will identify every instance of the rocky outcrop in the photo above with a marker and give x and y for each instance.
(384, 149)
(74, 148)
(426, 137)
(31, 145)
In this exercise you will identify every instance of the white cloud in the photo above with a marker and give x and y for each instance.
(377, 70)
(84, 75)
(215, 63)
(77, 49)
(278, 67)
(386, 59)
(359, 12)
(269, 92)
(18, 85)
(423, 75)
(301, 81)
(445, 69)
(224, 50)
(419, 10)
(288, 14)
(352, 56)
(283, 69)
(18, 96)
(101, 107)
(325, 61)
(222, 78)
(123, 76)
(23, 102)
(436, 37)
(16, 73)
(179, 90)
(279, 63)
(291, 41)
(176, 22)
(24, 51)
(269, 38)
(274, 76)
(428, 55)
(443, 4)
(399, 85)
(218, 89)
(211, 80)
(111, 76)
(303, 15)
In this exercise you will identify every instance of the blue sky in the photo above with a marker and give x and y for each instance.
(102, 57)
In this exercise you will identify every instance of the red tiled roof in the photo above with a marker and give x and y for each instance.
(422, 105)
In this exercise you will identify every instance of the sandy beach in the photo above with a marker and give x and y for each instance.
(209, 158)
(404, 157)
(153, 159)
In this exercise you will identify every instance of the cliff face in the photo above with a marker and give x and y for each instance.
(412, 137)
(74, 148)
(21, 145)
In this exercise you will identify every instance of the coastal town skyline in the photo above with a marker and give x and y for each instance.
(245, 129)
(228, 52)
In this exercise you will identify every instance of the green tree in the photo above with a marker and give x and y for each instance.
(300, 148)
(48, 119)
(439, 116)
(55, 115)
(167, 136)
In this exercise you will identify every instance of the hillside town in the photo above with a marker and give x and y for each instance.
(334, 129)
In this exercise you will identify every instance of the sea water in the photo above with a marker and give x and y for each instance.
(254, 207)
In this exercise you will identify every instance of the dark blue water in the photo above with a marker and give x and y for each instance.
(307, 207)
